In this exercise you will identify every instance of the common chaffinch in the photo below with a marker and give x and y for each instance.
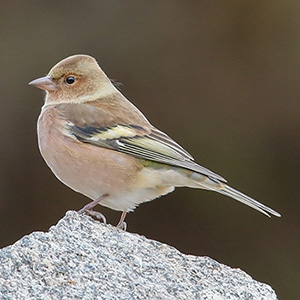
(99, 144)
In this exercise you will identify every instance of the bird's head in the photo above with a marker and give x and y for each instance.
(75, 79)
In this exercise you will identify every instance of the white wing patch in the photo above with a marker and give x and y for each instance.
(113, 133)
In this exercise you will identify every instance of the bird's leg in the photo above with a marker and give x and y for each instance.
(88, 209)
(122, 224)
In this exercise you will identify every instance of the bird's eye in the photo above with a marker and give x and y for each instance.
(70, 79)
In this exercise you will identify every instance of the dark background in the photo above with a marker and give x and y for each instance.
(220, 77)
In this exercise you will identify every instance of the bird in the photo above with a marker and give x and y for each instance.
(99, 144)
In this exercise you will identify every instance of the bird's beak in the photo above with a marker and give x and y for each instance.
(44, 83)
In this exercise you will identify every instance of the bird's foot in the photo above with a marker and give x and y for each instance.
(88, 209)
(96, 214)
(122, 224)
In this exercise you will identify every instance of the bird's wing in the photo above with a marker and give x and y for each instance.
(137, 141)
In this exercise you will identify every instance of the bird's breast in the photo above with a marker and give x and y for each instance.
(86, 168)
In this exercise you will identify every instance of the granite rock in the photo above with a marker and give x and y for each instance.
(80, 258)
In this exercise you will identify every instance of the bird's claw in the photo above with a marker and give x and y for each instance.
(98, 215)
(122, 225)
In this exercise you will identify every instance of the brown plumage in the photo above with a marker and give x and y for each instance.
(99, 144)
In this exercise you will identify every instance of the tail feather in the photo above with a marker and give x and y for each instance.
(237, 195)
(215, 185)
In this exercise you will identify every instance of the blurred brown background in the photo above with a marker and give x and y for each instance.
(220, 77)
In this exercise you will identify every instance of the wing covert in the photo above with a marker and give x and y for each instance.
(136, 141)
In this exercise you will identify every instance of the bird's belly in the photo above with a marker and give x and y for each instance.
(104, 172)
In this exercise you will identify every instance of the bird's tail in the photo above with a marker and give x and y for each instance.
(222, 188)
(237, 195)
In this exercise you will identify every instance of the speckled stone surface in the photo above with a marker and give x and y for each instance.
(80, 258)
